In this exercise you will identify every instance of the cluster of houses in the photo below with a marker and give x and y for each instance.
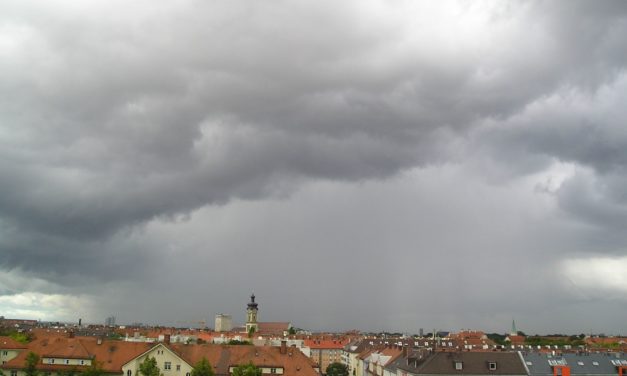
(368, 357)
(273, 347)
(363, 357)
(59, 355)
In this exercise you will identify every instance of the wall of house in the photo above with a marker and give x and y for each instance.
(178, 367)
(6, 355)
(265, 370)
(350, 360)
(70, 362)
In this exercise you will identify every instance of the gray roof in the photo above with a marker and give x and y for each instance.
(579, 363)
(473, 363)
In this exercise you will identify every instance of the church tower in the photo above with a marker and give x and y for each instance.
(251, 316)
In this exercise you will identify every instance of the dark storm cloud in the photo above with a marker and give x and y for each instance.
(116, 115)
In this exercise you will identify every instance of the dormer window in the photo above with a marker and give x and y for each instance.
(459, 366)
(492, 366)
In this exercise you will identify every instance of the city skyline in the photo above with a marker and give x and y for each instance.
(366, 165)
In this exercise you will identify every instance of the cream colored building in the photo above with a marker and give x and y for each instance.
(224, 323)
(9, 349)
(168, 362)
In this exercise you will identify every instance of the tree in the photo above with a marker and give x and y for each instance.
(202, 368)
(32, 360)
(291, 331)
(149, 367)
(238, 342)
(94, 369)
(70, 372)
(247, 370)
(337, 369)
(251, 331)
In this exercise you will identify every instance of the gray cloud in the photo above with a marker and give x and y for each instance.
(117, 118)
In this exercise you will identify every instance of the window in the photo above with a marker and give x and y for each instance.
(178, 367)
(13, 372)
(459, 365)
(129, 373)
(580, 363)
(82, 362)
(50, 361)
(5, 353)
(67, 361)
(595, 363)
(492, 366)
(167, 365)
(529, 363)
(557, 362)
(272, 370)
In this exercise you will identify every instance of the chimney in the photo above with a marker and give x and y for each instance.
(70, 334)
(166, 339)
(99, 341)
(283, 347)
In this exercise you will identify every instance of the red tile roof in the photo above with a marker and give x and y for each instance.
(325, 343)
(221, 357)
(112, 354)
(115, 354)
(8, 343)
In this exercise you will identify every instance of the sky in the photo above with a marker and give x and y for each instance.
(370, 165)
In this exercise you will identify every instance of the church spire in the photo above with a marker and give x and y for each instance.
(514, 331)
(251, 316)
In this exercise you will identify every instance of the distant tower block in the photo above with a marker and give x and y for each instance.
(224, 323)
(251, 316)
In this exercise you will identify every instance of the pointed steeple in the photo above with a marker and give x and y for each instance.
(251, 316)
(514, 331)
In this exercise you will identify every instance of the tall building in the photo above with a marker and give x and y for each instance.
(110, 321)
(224, 323)
(251, 316)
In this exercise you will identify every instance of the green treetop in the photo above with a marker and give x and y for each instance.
(202, 368)
(247, 370)
(94, 369)
(337, 369)
(149, 367)
(32, 360)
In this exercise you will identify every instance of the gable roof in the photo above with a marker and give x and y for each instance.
(8, 343)
(111, 354)
(221, 357)
(325, 343)
(473, 363)
(579, 363)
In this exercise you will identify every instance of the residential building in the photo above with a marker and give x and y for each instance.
(324, 351)
(62, 354)
(575, 364)
(460, 363)
(223, 323)
(9, 349)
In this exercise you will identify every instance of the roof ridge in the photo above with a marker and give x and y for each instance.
(427, 361)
